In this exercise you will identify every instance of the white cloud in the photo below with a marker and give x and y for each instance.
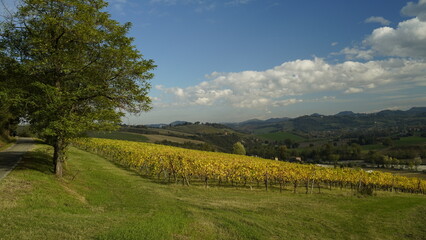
(407, 40)
(334, 44)
(357, 53)
(286, 102)
(279, 86)
(353, 90)
(415, 10)
(371, 85)
(380, 20)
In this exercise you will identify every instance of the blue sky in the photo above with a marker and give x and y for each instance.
(233, 60)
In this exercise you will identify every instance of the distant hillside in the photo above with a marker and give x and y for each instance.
(346, 120)
(205, 136)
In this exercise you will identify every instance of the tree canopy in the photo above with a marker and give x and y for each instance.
(238, 148)
(10, 95)
(78, 68)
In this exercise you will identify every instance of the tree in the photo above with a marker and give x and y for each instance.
(387, 142)
(283, 152)
(334, 158)
(417, 161)
(80, 70)
(9, 94)
(238, 148)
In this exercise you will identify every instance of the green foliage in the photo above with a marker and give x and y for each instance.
(79, 70)
(387, 142)
(238, 148)
(283, 152)
(328, 152)
(334, 158)
(10, 94)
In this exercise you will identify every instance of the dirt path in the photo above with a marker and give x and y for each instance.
(10, 157)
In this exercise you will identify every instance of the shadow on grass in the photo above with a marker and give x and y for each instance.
(38, 160)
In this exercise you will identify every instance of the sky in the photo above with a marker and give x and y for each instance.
(234, 60)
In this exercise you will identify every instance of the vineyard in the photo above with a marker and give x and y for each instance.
(173, 164)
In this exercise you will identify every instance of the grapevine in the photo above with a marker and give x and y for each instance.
(183, 165)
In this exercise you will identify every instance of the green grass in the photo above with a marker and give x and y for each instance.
(99, 200)
(264, 130)
(120, 136)
(158, 138)
(136, 137)
(280, 136)
(6, 143)
(197, 129)
(413, 140)
(367, 148)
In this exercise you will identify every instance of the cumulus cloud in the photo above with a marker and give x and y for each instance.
(286, 102)
(353, 90)
(288, 83)
(408, 39)
(358, 53)
(415, 10)
(380, 20)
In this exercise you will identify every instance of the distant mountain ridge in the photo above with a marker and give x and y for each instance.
(415, 116)
(345, 113)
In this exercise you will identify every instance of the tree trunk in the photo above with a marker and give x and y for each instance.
(59, 146)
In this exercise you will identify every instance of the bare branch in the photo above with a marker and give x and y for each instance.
(8, 13)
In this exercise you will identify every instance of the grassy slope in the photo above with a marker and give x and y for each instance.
(102, 201)
(204, 129)
(5, 143)
(413, 140)
(2, 143)
(264, 130)
(158, 138)
(120, 136)
(404, 141)
(136, 137)
(280, 136)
